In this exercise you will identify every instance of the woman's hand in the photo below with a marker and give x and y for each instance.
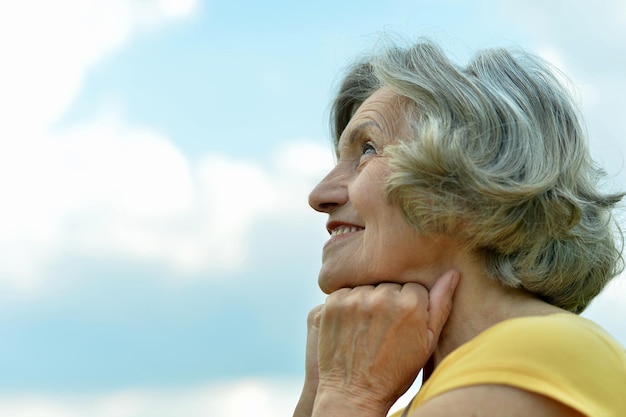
(373, 341)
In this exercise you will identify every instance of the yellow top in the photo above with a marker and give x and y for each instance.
(561, 356)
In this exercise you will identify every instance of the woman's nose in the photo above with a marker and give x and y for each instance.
(329, 194)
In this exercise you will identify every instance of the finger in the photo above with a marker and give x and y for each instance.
(390, 286)
(440, 303)
(414, 297)
(415, 288)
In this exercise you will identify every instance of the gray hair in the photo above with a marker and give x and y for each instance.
(499, 159)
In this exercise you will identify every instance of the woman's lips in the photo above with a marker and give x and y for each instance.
(342, 230)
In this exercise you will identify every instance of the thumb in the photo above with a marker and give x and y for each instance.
(440, 303)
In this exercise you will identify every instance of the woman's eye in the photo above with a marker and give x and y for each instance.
(368, 149)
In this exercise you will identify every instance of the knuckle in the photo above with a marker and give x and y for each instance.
(341, 300)
(313, 315)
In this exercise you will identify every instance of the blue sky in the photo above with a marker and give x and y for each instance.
(157, 254)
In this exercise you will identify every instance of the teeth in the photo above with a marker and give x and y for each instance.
(344, 229)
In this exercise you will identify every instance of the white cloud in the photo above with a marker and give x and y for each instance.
(243, 398)
(47, 47)
(107, 188)
(178, 7)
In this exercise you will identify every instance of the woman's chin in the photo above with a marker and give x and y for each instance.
(326, 285)
(329, 282)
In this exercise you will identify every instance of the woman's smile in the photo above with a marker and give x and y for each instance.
(345, 229)
(341, 231)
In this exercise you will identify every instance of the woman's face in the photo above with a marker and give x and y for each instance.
(370, 240)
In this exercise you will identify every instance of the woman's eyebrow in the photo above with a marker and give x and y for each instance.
(358, 130)
(354, 134)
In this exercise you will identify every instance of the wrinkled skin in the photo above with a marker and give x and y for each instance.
(366, 345)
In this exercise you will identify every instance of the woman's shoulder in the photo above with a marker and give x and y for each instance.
(563, 347)
(553, 334)
(564, 357)
(556, 328)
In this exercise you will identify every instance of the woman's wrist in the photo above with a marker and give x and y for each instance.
(304, 408)
(333, 403)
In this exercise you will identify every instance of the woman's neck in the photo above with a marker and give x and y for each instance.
(479, 303)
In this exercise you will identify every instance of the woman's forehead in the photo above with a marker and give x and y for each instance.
(384, 111)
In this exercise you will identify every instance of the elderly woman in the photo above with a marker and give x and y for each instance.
(466, 235)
